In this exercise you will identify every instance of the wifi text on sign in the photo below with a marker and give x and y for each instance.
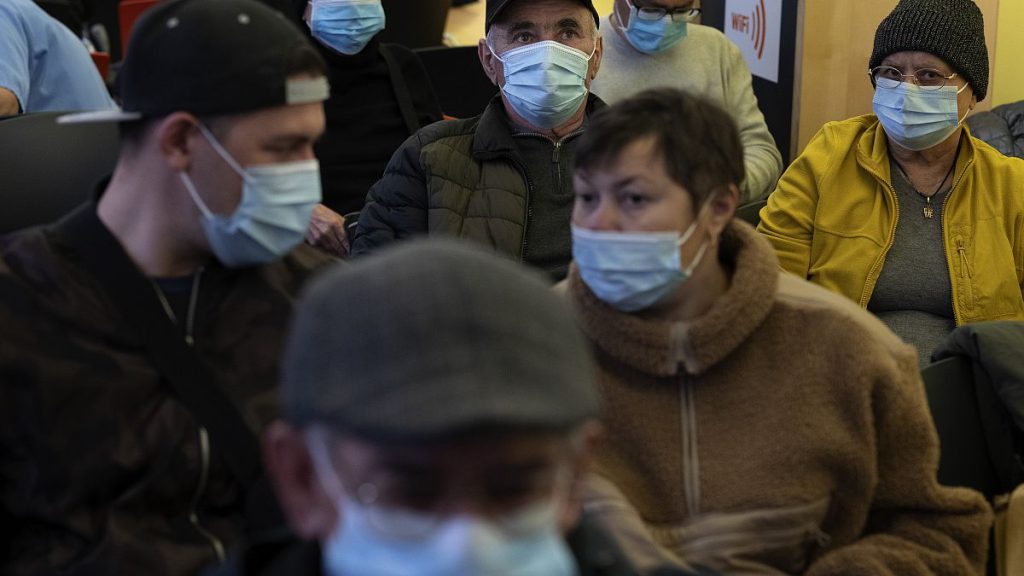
(740, 23)
(755, 26)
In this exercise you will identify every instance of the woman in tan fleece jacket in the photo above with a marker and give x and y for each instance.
(756, 424)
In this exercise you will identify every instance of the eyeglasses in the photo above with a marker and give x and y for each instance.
(399, 522)
(926, 78)
(656, 13)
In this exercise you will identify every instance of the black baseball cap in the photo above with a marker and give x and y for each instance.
(209, 57)
(494, 7)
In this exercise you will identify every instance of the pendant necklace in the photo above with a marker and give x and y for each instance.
(928, 211)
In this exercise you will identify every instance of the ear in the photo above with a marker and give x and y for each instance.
(492, 66)
(721, 209)
(174, 136)
(595, 61)
(307, 507)
(585, 439)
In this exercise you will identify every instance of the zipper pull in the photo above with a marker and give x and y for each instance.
(555, 154)
(963, 257)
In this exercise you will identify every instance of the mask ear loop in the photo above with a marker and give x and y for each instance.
(221, 151)
(689, 233)
(191, 187)
(960, 121)
(186, 180)
(316, 442)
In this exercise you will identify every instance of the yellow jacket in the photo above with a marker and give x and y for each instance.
(832, 219)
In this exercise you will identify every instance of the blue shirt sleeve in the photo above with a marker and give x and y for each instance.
(14, 57)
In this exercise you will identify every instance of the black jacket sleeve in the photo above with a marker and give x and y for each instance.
(396, 206)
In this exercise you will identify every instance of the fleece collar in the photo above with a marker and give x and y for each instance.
(663, 348)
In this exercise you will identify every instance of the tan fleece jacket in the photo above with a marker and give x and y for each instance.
(784, 431)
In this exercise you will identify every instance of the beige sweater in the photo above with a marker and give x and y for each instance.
(785, 431)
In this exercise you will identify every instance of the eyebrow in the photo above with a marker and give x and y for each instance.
(569, 23)
(520, 26)
(290, 139)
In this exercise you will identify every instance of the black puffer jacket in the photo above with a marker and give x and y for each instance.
(462, 178)
(1002, 127)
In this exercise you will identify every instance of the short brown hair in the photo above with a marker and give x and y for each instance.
(698, 140)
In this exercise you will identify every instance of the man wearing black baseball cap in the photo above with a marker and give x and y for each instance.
(437, 434)
(140, 334)
(503, 178)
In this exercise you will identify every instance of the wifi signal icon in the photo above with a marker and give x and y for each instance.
(758, 30)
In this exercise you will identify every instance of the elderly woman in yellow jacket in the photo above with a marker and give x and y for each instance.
(755, 423)
(903, 211)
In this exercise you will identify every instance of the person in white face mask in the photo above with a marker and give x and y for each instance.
(381, 96)
(655, 43)
(903, 211)
(751, 417)
(438, 416)
(144, 328)
(503, 178)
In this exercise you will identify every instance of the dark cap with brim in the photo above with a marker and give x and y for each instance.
(431, 338)
(494, 7)
(209, 58)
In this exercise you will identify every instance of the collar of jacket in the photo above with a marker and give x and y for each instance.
(493, 137)
(873, 151)
(82, 231)
(661, 347)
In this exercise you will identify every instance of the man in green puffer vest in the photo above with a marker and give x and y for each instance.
(503, 178)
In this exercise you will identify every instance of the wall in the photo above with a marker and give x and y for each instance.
(1009, 48)
(465, 24)
(837, 42)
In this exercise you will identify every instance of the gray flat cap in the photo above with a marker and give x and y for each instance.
(433, 337)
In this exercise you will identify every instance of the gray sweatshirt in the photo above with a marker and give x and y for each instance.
(705, 63)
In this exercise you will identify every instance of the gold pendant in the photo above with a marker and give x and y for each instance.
(929, 212)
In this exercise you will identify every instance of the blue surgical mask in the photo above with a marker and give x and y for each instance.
(273, 215)
(652, 36)
(346, 25)
(545, 82)
(631, 271)
(917, 119)
(526, 543)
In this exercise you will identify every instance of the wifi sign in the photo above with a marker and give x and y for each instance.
(753, 25)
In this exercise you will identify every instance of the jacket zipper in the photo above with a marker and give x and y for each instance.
(963, 257)
(528, 212)
(869, 284)
(203, 435)
(204, 439)
(555, 157)
(959, 242)
(691, 463)
(204, 476)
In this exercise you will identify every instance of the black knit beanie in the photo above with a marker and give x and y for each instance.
(953, 30)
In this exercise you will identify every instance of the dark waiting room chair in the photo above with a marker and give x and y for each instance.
(462, 88)
(751, 213)
(46, 169)
(966, 447)
(415, 23)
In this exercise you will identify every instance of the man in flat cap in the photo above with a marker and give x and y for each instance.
(140, 334)
(428, 431)
(504, 178)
